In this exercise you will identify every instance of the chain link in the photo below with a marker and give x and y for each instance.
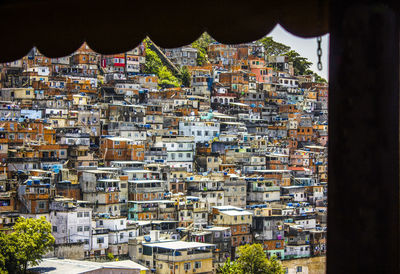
(319, 53)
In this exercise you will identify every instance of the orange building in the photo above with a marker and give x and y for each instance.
(121, 149)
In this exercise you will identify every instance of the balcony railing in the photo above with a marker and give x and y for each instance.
(191, 257)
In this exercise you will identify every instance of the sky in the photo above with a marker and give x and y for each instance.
(305, 47)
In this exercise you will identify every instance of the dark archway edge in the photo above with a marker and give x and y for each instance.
(363, 217)
(58, 28)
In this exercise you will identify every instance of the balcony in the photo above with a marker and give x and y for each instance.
(167, 209)
(148, 209)
(200, 209)
(49, 159)
(184, 257)
(107, 189)
(266, 188)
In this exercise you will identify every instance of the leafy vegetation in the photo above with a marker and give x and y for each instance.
(166, 78)
(29, 241)
(154, 65)
(185, 76)
(252, 260)
(153, 62)
(110, 256)
(273, 48)
(301, 65)
(201, 45)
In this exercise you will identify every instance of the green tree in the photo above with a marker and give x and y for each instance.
(153, 63)
(110, 256)
(273, 48)
(167, 79)
(229, 267)
(29, 241)
(252, 260)
(185, 76)
(300, 64)
(201, 45)
(7, 251)
(319, 79)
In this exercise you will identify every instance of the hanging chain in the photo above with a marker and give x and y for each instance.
(319, 52)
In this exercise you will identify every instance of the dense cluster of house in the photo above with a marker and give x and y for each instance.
(174, 178)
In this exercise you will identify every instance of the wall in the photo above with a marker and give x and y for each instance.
(315, 265)
(73, 251)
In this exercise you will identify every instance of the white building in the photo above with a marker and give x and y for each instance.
(180, 151)
(72, 226)
(297, 251)
(119, 233)
(202, 131)
(184, 56)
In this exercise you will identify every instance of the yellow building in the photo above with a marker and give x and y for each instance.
(24, 93)
(80, 100)
(179, 257)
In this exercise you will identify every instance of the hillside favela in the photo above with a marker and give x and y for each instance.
(209, 158)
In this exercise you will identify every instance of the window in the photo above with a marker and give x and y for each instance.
(299, 269)
(42, 205)
(187, 266)
(100, 240)
(87, 214)
(121, 236)
(28, 92)
(122, 222)
(54, 228)
(80, 229)
(101, 222)
(86, 241)
(197, 264)
(86, 228)
(80, 214)
(188, 155)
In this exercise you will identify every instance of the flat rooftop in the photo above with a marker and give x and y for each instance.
(178, 245)
(236, 212)
(62, 266)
